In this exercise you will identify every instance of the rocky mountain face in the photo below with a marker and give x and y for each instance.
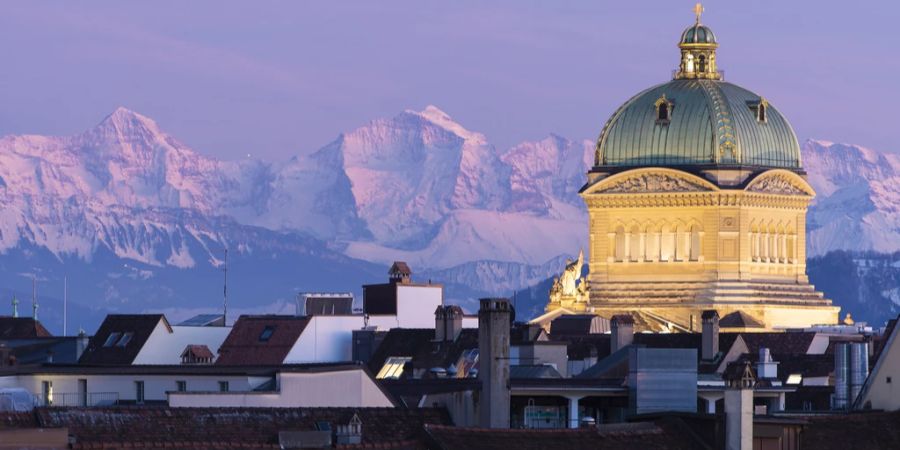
(144, 220)
(858, 201)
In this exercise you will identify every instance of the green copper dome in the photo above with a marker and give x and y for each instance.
(698, 122)
(698, 34)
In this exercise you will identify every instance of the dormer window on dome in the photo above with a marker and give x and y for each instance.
(663, 110)
(698, 51)
(760, 109)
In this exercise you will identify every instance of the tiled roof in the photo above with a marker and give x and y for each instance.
(198, 351)
(739, 319)
(245, 346)
(577, 324)
(21, 328)
(853, 431)
(140, 325)
(158, 427)
(629, 436)
(400, 267)
(418, 343)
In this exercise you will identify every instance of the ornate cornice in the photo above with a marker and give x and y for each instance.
(719, 198)
(653, 182)
(781, 182)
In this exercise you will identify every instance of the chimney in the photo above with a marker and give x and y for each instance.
(766, 368)
(494, 318)
(447, 323)
(622, 332)
(710, 338)
(440, 324)
(739, 407)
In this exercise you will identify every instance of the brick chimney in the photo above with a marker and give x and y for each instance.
(622, 330)
(710, 339)
(447, 323)
(494, 318)
(740, 381)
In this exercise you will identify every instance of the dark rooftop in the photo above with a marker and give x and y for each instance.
(158, 427)
(121, 337)
(261, 340)
(419, 344)
(878, 430)
(739, 319)
(643, 435)
(21, 328)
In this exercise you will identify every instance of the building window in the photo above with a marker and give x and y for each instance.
(126, 338)
(701, 64)
(223, 386)
(888, 380)
(267, 333)
(139, 392)
(47, 392)
(111, 339)
(663, 110)
(181, 386)
(620, 244)
(393, 368)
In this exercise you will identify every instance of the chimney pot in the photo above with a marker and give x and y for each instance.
(622, 332)
(710, 338)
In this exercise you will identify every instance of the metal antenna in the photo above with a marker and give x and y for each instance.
(15, 303)
(34, 303)
(65, 304)
(225, 292)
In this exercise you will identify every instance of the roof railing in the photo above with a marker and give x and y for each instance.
(77, 399)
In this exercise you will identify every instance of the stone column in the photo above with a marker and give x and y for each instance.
(573, 411)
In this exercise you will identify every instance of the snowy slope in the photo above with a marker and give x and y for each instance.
(858, 198)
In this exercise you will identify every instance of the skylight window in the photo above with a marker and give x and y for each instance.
(266, 333)
(393, 368)
(794, 378)
(126, 338)
(111, 339)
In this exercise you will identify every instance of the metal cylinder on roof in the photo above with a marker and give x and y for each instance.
(859, 368)
(841, 376)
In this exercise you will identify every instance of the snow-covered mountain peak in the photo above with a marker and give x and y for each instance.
(440, 118)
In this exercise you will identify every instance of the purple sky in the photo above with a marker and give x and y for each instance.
(278, 78)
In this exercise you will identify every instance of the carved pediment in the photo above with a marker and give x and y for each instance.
(777, 184)
(653, 182)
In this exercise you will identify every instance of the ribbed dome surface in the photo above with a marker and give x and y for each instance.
(698, 34)
(710, 122)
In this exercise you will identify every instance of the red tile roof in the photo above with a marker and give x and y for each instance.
(629, 436)
(198, 352)
(163, 427)
(21, 328)
(244, 345)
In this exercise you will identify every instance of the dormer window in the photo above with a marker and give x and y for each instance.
(663, 110)
(126, 338)
(111, 339)
(761, 109)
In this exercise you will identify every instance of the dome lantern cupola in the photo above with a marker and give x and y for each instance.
(698, 51)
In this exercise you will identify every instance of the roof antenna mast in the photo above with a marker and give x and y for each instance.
(34, 303)
(225, 291)
(65, 304)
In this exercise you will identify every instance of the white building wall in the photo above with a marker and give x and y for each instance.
(416, 305)
(163, 347)
(155, 386)
(346, 388)
(325, 339)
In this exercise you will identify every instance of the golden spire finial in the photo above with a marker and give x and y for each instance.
(698, 10)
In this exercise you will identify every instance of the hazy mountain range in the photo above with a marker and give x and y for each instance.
(138, 221)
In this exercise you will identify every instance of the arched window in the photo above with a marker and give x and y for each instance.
(634, 245)
(663, 110)
(761, 112)
(695, 243)
(620, 244)
(754, 242)
(667, 243)
(651, 245)
(682, 241)
(701, 64)
(763, 238)
(791, 243)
